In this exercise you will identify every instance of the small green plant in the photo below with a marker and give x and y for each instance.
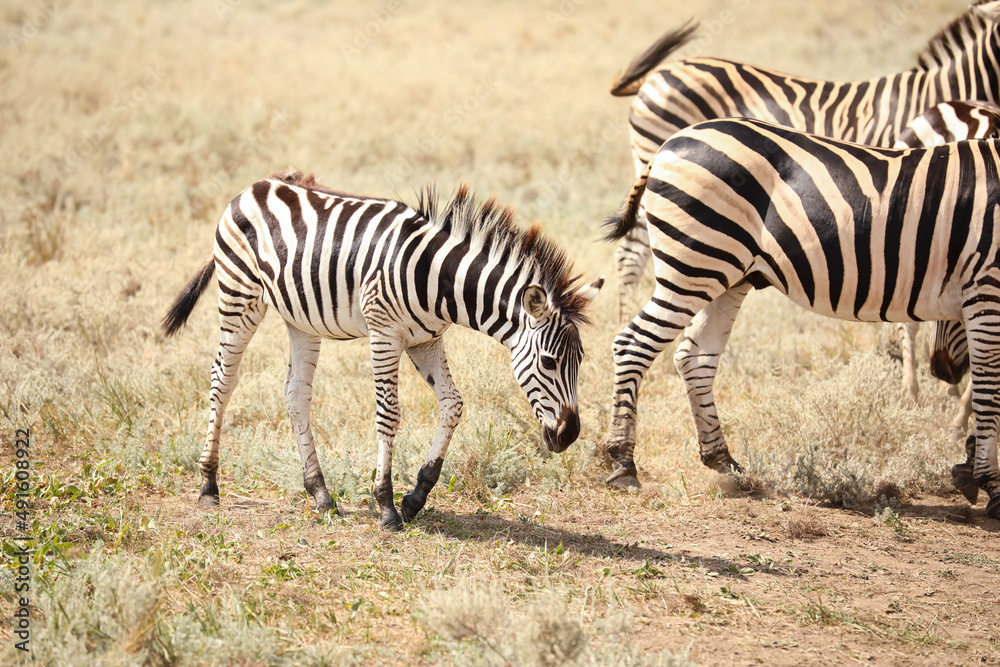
(888, 517)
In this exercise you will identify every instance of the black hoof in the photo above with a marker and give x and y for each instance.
(409, 508)
(722, 463)
(327, 506)
(623, 479)
(391, 521)
(209, 500)
(993, 508)
(962, 479)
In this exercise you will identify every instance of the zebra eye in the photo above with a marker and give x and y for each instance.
(548, 363)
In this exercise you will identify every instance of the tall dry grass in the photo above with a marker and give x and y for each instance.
(126, 128)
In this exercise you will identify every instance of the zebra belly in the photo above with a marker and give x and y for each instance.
(853, 297)
(319, 319)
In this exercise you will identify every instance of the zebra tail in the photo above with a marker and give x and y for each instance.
(949, 370)
(628, 81)
(627, 217)
(187, 298)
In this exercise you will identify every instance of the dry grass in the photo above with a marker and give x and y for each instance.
(126, 129)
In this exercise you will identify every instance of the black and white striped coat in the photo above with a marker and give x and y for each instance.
(945, 123)
(339, 266)
(842, 229)
(961, 63)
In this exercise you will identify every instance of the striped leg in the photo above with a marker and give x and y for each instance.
(908, 336)
(962, 477)
(697, 361)
(302, 361)
(386, 352)
(960, 423)
(984, 354)
(237, 329)
(432, 364)
(630, 259)
(635, 349)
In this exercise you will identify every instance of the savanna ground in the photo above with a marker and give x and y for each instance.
(126, 128)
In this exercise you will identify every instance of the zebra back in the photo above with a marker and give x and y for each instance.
(960, 62)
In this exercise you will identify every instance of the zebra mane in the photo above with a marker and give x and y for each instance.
(293, 176)
(495, 227)
(954, 39)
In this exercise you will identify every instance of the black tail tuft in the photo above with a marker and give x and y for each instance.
(627, 81)
(187, 298)
(627, 217)
(943, 367)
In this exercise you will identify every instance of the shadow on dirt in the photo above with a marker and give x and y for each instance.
(484, 527)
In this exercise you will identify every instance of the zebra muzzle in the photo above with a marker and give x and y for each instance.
(565, 433)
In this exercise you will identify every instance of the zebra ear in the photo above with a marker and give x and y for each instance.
(536, 302)
(589, 292)
(988, 10)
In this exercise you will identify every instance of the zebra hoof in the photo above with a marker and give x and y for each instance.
(208, 500)
(993, 508)
(327, 505)
(623, 479)
(409, 508)
(391, 521)
(722, 463)
(962, 479)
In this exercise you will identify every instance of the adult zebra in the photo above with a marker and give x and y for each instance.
(945, 123)
(339, 266)
(842, 229)
(962, 62)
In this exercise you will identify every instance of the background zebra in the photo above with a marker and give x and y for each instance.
(945, 123)
(339, 266)
(842, 229)
(962, 62)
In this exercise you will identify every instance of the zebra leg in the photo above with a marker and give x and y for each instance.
(960, 423)
(908, 337)
(697, 361)
(635, 349)
(984, 354)
(236, 331)
(302, 361)
(962, 477)
(386, 352)
(432, 364)
(630, 259)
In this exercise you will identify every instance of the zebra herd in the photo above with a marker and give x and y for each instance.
(870, 201)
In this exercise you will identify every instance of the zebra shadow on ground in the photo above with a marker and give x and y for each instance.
(489, 528)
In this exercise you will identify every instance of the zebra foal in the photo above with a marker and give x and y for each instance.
(339, 266)
(842, 229)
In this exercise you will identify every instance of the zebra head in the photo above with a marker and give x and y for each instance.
(546, 359)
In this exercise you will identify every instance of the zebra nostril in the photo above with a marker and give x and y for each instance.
(569, 427)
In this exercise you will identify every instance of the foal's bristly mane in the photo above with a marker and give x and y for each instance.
(953, 40)
(495, 226)
(490, 225)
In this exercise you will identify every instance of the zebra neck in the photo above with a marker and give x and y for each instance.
(971, 75)
(479, 289)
